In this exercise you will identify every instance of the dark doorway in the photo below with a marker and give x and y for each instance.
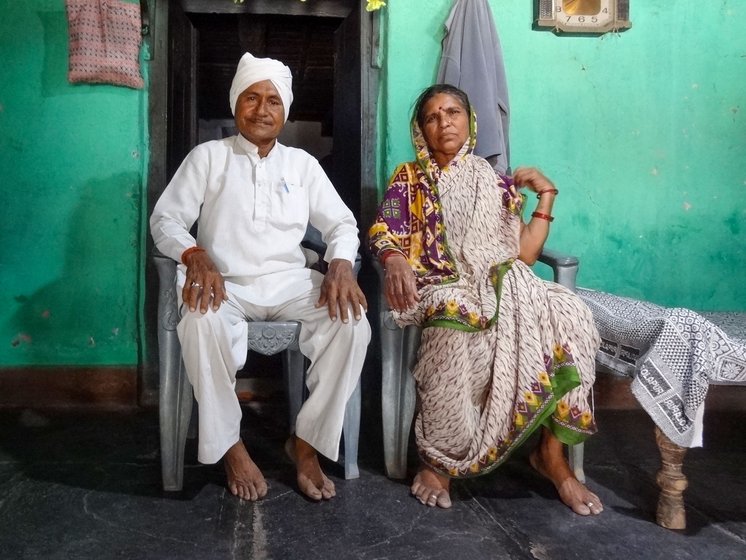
(331, 49)
(320, 45)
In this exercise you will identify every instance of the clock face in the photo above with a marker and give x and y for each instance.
(582, 13)
(584, 16)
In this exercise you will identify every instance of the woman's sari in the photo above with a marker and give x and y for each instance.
(503, 351)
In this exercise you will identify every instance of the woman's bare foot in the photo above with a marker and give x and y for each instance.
(311, 479)
(245, 480)
(431, 488)
(549, 460)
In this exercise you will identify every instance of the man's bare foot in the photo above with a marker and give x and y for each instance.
(549, 460)
(245, 480)
(311, 479)
(431, 488)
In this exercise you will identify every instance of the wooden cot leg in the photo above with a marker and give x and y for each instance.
(672, 482)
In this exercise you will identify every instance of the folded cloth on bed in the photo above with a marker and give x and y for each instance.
(105, 38)
(674, 354)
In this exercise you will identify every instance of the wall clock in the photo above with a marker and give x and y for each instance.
(583, 16)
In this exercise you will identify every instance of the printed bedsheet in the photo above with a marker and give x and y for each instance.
(673, 354)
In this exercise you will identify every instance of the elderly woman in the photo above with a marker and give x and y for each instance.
(503, 353)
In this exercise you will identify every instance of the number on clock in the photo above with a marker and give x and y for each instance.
(583, 16)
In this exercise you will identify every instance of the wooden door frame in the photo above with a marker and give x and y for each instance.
(158, 51)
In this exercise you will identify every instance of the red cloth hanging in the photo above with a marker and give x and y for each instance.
(105, 38)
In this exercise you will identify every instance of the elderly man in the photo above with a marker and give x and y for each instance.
(254, 198)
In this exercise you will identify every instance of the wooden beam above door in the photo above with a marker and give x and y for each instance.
(318, 8)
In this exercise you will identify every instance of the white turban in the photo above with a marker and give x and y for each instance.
(252, 70)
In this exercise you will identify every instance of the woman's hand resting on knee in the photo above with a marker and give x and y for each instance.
(399, 285)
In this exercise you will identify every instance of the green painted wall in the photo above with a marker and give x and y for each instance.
(643, 132)
(72, 161)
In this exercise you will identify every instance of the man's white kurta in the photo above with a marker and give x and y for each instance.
(253, 213)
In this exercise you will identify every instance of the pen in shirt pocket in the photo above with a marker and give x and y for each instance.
(284, 185)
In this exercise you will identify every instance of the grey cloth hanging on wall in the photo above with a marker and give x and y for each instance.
(472, 60)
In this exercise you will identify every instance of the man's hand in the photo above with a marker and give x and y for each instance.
(340, 291)
(203, 283)
(400, 286)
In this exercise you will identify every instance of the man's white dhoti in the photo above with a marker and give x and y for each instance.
(214, 347)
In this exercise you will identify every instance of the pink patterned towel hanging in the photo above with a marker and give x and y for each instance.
(104, 42)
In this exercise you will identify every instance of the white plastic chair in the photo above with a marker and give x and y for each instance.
(268, 338)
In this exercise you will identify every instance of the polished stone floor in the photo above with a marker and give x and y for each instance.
(86, 485)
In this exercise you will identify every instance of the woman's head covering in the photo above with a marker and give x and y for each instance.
(252, 70)
(422, 150)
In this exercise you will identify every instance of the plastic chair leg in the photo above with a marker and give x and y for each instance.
(294, 371)
(175, 413)
(576, 461)
(398, 395)
(351, 432)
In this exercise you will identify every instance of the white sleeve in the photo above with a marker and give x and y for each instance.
(178, 207)
(330, 215)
